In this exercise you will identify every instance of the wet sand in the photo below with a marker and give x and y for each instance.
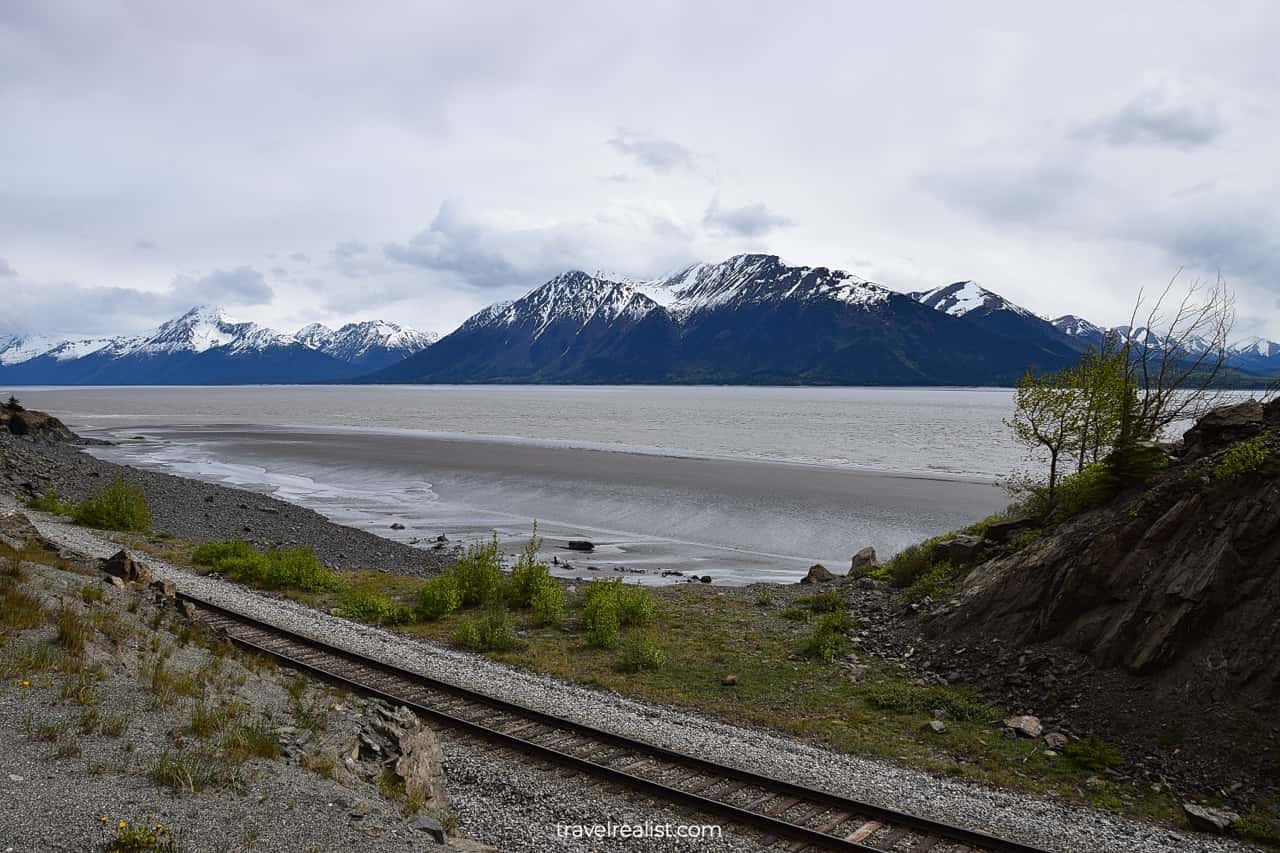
(736, 520)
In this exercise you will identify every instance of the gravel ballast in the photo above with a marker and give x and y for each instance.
(489, 799)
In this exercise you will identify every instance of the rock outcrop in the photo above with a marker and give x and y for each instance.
(122, 565)
(26, 422)
(1180, 577)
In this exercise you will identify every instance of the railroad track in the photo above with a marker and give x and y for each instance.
(807, 818)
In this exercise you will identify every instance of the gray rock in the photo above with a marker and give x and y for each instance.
(397, 526)
(429, 825)
(1024, 726)
(123, 566)
(1003, 531)
(580, 545)
(818, 573)
(1206, 819)
(1055, 741)
(937, 726)
(1223, 426)
(164, 588)
(960, 550)
(863, 562)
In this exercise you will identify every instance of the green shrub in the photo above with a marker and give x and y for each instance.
(479, 573)
(365, 605)
(1262, 825)
(909, 564)
(213, 553)
(828, 642)
(1242, 459)
(825, 602)
(493, 632)
(548, 603)
(600, 621)
(119, 506)
(438, 597)
(527, 574)
(292, 568)
(1093, 753)
(635, 605)
(50, 502)
(640, 654)
(934, 583)
(903, 698)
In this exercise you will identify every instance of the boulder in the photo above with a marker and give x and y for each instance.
(863, 562)
(729, 680)
(395, 525)
(1222, 427)
(818, 573)
(428, 824)
(1206, 819)
(1003, 531)
(960, 550)
(421, 766)
(164, 589)
(705, 579)
(1055, 741)
(123, 566)
(937, 727)
(580, 545)
(1024, 726)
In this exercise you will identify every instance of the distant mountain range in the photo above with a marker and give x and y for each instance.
(751, 319)
(205, 347)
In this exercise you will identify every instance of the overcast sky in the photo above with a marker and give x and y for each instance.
(416, 161)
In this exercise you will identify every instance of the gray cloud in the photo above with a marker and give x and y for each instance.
(71, 309)
(239, 286)
(660, 155)
(1058, 177)
(750, 220)
(452, 244)
(6, 270)
(1013, 192)
(1155, 117)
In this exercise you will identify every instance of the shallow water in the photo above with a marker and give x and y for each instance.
(738, 483)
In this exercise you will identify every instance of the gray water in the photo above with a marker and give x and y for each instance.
(739, 483)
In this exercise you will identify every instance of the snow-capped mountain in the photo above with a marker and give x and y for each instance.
(996, 315)
(965, 298)
(575, 327)
(1256, 355)
(750, 319)
(763, 279)
(373, 344)
(1079, 329)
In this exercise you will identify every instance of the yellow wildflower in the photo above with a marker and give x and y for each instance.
(122, 824)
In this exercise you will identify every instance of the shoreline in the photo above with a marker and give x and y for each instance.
(193, 509)
(738, 521)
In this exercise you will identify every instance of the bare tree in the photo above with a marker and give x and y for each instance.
(1173, 362)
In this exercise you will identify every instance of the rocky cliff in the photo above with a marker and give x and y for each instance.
(1179, 579)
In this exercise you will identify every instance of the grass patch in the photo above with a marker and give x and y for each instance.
(194, 770)
(19, 660)
(19, 610)
(119, 506)
(903, 698)
(828, 642)
(207, 720)
(74, 632)
(252, 740)
(320, 762)
(1093, 753)
(609, 606)
(936, 582)
(291, 568)
(50, 502)
(641, 654)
